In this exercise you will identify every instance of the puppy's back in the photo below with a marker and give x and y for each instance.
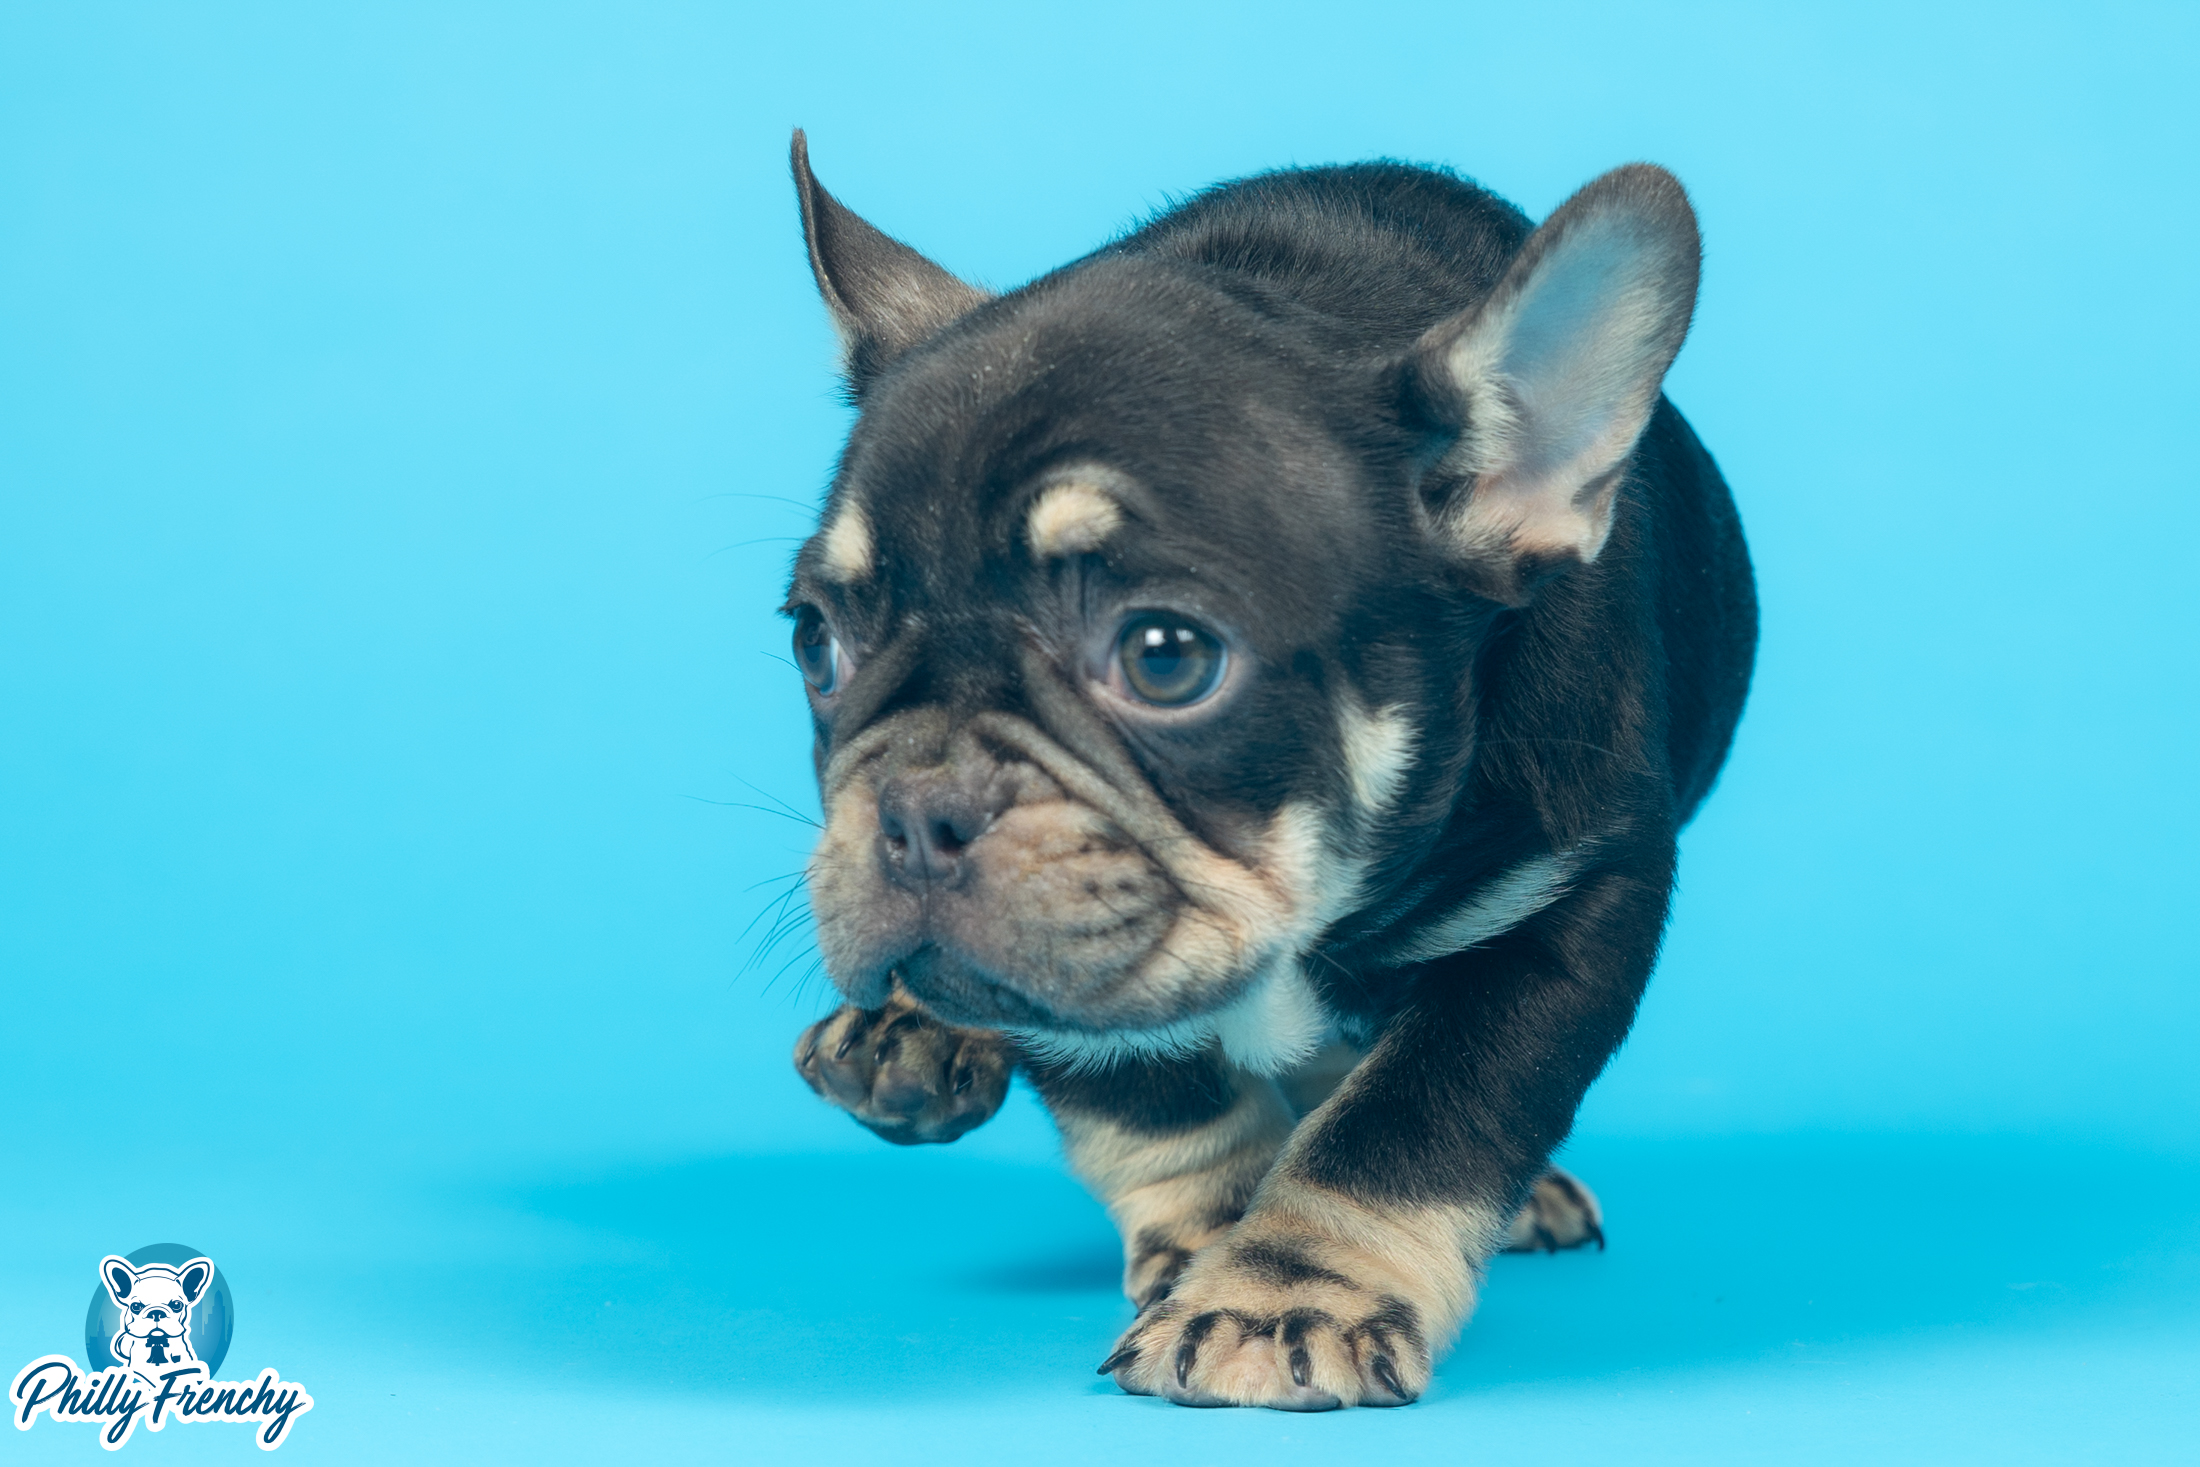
(1385, 250)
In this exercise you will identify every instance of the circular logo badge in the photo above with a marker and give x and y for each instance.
(212, 1316)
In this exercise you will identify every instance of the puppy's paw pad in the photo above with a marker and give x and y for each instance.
(903, 1073)
(1560, 1213)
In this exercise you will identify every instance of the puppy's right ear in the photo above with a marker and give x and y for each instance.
(884, 297)
(120, 1277)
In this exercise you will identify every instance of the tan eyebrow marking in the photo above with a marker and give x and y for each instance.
(848, 550)
(1070, 519)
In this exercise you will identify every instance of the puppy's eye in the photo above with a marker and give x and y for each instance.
(1168, 661)
(137, 1308)
(817, 651)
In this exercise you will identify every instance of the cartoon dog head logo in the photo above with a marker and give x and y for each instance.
(155, 1300)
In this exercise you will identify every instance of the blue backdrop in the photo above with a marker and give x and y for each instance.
(407, 413)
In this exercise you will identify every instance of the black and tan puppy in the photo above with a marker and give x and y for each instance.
(1259, 670)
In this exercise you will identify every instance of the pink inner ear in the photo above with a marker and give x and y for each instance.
(1561, 370)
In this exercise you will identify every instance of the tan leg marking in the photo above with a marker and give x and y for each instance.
(1172, 1194)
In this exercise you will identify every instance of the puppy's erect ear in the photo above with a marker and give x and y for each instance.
(193, 1277)
(1549, 382)
(120, 1276)
(883, 295)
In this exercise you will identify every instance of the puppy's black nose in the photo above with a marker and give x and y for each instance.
(926, 820)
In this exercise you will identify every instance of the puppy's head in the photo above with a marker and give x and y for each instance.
(157, 1296)
(1135, 629)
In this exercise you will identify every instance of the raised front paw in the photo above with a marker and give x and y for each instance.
(1280, 1317)
(903, 1073)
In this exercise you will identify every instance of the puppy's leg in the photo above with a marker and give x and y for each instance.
(1560, 1213)
(903, 1073)
(1173, 1148)
(1363, 1250)
(1315, 1079)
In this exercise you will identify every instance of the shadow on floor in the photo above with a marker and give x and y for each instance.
(922, 1273)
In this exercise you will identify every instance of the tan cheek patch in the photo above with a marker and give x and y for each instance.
(1062, 900)
(1071, 519)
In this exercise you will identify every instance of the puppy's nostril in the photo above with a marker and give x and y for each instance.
(927, 822)
(944, 838)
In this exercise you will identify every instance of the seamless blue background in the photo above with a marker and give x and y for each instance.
(407, 413)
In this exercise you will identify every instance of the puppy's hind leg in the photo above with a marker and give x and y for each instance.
(1559, 1213)
(903, 1073)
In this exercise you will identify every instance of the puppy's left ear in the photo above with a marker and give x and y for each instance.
(193, 1276)
(1549, 382)
(884, 297)
(120, 1276)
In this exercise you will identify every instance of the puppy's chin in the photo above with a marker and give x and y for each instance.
(959, 992)
(958, 989)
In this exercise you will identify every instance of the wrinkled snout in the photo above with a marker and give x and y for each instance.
(1011, 886)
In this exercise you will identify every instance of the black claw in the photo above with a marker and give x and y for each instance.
(1596, 1236)
(1388, 1375)
(1302, 1369)
(1196, 1331)
(890, 1041)
(1125, 1356)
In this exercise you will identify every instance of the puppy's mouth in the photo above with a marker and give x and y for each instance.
(1012, 885)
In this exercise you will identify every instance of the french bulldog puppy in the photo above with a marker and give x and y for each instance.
(155, 1301)
(1259, 670)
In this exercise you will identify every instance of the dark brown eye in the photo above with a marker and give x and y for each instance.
(1168, 661)
(816, 651)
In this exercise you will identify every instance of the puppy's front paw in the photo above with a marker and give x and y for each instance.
(1276, 1316)
(1560, 1213)
(903, 1073)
